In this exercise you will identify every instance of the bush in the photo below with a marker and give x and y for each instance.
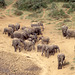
(18, 12)
(2, 3)
(66, 5)
(30, 4)
(58, 14)
(72, 8)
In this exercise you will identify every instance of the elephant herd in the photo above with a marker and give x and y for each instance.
(27, 37)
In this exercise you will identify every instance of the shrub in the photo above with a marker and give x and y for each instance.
(30, 4)
(66, 5)
(18, 12)
(2, 3)
(58, 14)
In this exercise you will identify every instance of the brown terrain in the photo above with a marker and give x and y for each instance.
(32, 63)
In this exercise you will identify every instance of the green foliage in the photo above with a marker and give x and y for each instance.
(18, 12)
(66, 5)
(30, 4)
(58, 14)
(70, 5)
(2, 3)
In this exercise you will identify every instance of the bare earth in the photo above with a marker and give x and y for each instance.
(32, 63)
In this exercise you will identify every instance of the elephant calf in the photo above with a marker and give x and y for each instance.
(61, 58)
(44, 39)
(9, 31)
(12, 26)
(39, 47)
(17, 44)
(50, 49)
(29, 45)
(17, 26)
(64, 30)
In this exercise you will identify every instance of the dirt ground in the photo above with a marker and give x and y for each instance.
(32, 63)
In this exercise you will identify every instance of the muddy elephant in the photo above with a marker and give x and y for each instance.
(44, 39)
(12, 26)
(70, 33)
(61, 58)
(9, 31)
(20, 34)
(37, 30)
(17, 26)
(39, 47)
(41, 24)
(16, 43)
(64, 30)
(33, 37)
(29, 45)
(23, 28)
(50, 49)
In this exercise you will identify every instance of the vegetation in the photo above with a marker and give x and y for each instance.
(56, 13)
(33, 5)
(18, 12)
(2, 3)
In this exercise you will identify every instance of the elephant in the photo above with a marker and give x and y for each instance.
(41, 24)
(39, 47)
(34, 25)
(68, 32)
(33, 37)
(17, 26)
(61, 58)
(50, 49)
(38, 31)
(23, 28)
(12, 26)
(44, 39)
(28, 45)
(20, 34)
(64, 30)
(16, 43)
(8, 30)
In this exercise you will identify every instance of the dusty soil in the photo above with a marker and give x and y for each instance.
(32, 63)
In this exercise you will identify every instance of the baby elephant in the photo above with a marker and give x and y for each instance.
(8, 30)
(29, 45)
(17, 44)
(39, 47)
(50, 49)
(44, 39)
(61, 58)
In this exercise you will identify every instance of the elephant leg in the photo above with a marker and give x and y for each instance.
(33, 47)
(29, 48)
(59, 66)
(15, 48)
(47, 53)
(42, 52)
(8, 34)
(19, 48)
